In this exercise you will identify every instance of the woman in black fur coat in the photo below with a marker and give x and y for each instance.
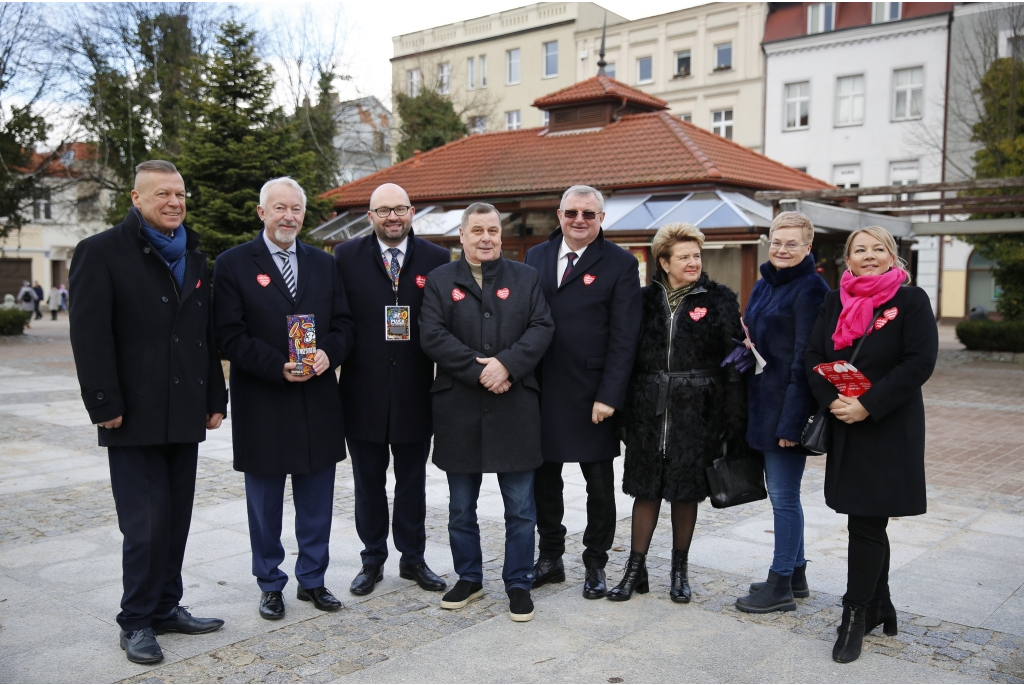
(681, 402)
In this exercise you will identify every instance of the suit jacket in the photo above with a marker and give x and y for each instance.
(597, 322)
(476, 431)
(144, 347)
(385, 384)
(279, 426)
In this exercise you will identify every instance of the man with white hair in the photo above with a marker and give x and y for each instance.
(285, 422)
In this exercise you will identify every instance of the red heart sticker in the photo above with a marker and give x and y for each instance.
(502, 293)
(263, 280)
(890, 314)
(880, 321)
(698, 313)
(421, 281)
(199, 283)
(458, 295)
(588, 279)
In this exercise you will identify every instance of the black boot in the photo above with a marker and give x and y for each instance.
(680, 592)
(881, 612)
(633, 578)
(799, 583)
(851, 635)
(775, 594)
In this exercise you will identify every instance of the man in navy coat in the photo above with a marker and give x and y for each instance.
(284, 423)
(385, 386)
(593, 288)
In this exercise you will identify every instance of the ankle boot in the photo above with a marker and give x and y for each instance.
(798, 582)
(775, 594)
(680, 592)
(633, 578)
(851, 635)
(881, 612)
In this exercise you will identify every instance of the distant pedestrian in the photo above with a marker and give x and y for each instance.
(38, 290)
(63, 298)
(53, 302)
(28, 300)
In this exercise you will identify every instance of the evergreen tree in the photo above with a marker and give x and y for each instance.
(429, 120)
(318, 127)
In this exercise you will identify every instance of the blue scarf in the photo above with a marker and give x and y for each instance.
(172, 249)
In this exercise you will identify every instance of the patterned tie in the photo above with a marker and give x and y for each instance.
(569, 258)
(393, 266)
(287, 273)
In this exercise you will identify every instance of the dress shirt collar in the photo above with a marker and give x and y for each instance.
(274, 249)
(564, 250)
(401, 247)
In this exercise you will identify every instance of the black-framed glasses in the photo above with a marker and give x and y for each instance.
(385, 212)
(573, 213)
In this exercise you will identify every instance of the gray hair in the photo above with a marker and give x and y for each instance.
(287, 180)
(582, 190)
(159, 166)
(478, 208)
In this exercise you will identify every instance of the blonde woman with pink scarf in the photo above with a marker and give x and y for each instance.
(875, 464)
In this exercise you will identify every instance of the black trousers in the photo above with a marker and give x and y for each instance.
(370, 472)
(153, 489)
(868, 561)
(600, 531)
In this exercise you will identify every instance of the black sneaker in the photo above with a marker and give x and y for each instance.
(520, 606)
(462, 594)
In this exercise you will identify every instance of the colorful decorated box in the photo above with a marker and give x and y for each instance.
(848, 380)
(301, 342)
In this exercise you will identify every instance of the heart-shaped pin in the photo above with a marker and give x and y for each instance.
(199, 283)
(263, 280)
(890, 314)
(880, 321)
(588, 279)
(502, 293)
(458, 295)
(698, 313)
(421, 281)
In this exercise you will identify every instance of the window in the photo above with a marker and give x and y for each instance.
(850, 101)
(378, 141)
(470, 73)
(512, 67)
(798, 104)
(682, 64)
(444, 78)
(721, 123)
(904, 174)
(644, 70)
(42, 208)
(846, 175)
(882, 12)
(820, 17)
(483, 71)
(909, 93)
(546, 118)
(687, 117)
(609, 70)
(513, 121)
(723, 56)
(551, 59)
(413, 82)
(479, 125)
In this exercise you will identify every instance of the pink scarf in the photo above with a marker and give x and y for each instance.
(860, 296)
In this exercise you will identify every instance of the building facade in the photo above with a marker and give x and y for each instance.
(363, 141)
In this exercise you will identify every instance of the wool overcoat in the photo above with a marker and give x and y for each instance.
(675, 425)
(875, 467)
(144, 346)
(475, 430)
(780, 315)
(278, 426)
(597, 320)
(385, 384)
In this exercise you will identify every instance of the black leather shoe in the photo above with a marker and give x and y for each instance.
(183, 622)
(634, 579)
(680, 591)
(321, 598)
(548, 571)
(423, 576)
(140, 646)
(595, 585)
(272, 606)
(798, 583)
(366, 579)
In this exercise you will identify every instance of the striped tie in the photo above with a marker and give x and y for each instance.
(569, 263)
(286, 271)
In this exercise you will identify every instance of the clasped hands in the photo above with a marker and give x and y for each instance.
(213, 422)
(848, 409)
(494, 377)
(320, 364)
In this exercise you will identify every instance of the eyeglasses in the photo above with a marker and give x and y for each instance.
(573, 213)
(776, 245)
(385, 212)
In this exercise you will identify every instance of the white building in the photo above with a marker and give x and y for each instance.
(364, 138)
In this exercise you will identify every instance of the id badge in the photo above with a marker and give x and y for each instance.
(396, 322)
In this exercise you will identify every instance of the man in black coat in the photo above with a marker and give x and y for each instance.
(385, 386)
(142, 336)
(284, 423)
(486, 324)
(593, 288)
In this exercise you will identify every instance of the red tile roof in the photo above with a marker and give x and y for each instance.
(637, 151)
(598, 88)
(52, 163)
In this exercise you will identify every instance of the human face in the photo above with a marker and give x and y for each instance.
(683, 264)
(160, 198)
(283, 215)
(782, 257)
(392, 229)
(868, 256)
(580, 232)
(481, 238)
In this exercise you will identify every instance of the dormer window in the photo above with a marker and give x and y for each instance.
(882, 12)
(821, 17)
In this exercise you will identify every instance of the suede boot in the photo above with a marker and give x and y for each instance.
(851, 635)
(775, 594)
(881, 612)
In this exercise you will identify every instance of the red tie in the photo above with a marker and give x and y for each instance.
(570, 258)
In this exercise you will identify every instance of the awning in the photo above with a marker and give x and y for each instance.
(703, 209)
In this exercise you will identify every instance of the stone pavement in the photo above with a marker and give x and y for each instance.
(957, 575)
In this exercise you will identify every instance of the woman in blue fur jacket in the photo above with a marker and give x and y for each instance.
(780, 315)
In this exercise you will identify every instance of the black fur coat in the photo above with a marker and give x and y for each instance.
(668, 452)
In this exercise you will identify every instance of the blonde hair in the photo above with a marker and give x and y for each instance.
(670, 234)
(884, 237)
(793, 220)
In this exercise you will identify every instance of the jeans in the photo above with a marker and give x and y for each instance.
(782, 473)
(867, 577)
(520, 521)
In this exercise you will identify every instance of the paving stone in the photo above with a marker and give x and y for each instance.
(978, 636)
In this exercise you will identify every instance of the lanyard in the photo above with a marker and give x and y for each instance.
(394, 279)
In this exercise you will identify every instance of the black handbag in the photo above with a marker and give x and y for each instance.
(737, 477)
(818, 430)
